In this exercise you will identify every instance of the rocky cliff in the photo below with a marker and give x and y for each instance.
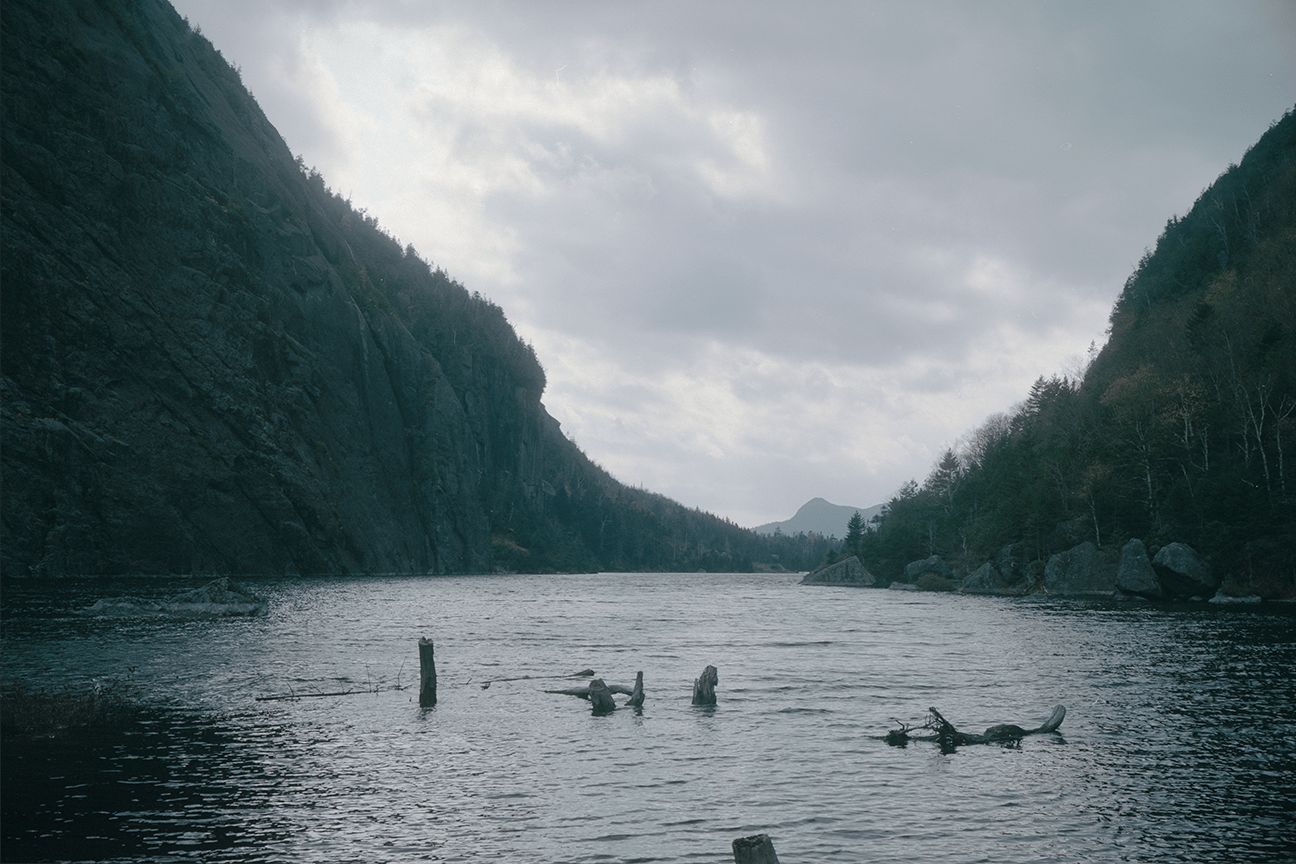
(212, 363)
(200, 370)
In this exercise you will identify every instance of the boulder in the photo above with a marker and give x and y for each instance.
(1079, 572)
(1013, 564)
(1183, 572)
(903, 586)
(918, 569)
(986, 579)
(1008, 576)
(1134, 573)
(848, 572)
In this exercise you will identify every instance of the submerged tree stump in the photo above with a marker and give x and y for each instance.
(637, 694)
(704, 687)
(427, 674)
(758, 849)
(601, 697)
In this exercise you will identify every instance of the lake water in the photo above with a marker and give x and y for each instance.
(1179, 743)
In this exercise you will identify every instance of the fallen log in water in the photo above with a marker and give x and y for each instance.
(584, 692)
(949, 736)
(584, 673)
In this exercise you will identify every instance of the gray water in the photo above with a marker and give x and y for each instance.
(1179, 743)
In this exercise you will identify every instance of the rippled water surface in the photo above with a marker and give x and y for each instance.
(1179, 742)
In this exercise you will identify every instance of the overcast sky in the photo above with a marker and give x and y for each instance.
(773, 251)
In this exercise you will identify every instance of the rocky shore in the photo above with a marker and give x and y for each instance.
(1172, 572)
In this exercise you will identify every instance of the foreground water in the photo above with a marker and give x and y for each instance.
(1179, 744)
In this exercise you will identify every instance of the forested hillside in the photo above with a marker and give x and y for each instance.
(1183, 428)
(213, 363)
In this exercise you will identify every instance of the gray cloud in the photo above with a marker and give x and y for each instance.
(771, 252)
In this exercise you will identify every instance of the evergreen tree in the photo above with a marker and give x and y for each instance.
(854, 534)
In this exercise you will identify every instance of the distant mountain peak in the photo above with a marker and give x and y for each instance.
(819, 516)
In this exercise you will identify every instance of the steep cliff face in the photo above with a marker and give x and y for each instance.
(208, 362)
(211, 363)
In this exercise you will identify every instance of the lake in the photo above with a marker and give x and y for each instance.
(1179, 743)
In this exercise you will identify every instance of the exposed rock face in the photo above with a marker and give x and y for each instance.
(848, 572)
(211, 363)
(1182, 571)
(1134, 573)
(933, 565)
(1079, 572)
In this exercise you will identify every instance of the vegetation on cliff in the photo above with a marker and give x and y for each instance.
(1183, 427)
(213, 363)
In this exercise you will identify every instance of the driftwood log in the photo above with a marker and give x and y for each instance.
(584, 692)
(704, 687)
(600, 693)
(948, 736)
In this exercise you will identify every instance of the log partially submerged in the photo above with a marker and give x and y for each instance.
(600, 693)
(584, 692)
(949, 736)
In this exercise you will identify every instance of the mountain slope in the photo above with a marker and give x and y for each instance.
(212, 363)
(1183, 428)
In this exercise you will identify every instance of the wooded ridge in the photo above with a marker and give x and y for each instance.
(1181, 430)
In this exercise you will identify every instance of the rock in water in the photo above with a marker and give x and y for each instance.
(848, 572)
(218, 598)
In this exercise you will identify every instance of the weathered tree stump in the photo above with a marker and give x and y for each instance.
(758, 849)
(601, 697)
(704, 687)
(637, 694)
(427, 674)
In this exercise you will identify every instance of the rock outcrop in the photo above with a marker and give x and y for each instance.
(849, 572)
(934, 566)
(1182, 571)
(219, 598)
(1080, 571)
(1008, 576)
(1134, 573)
(213, 364)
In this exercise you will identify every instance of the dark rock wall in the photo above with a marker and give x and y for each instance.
(209, 361)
